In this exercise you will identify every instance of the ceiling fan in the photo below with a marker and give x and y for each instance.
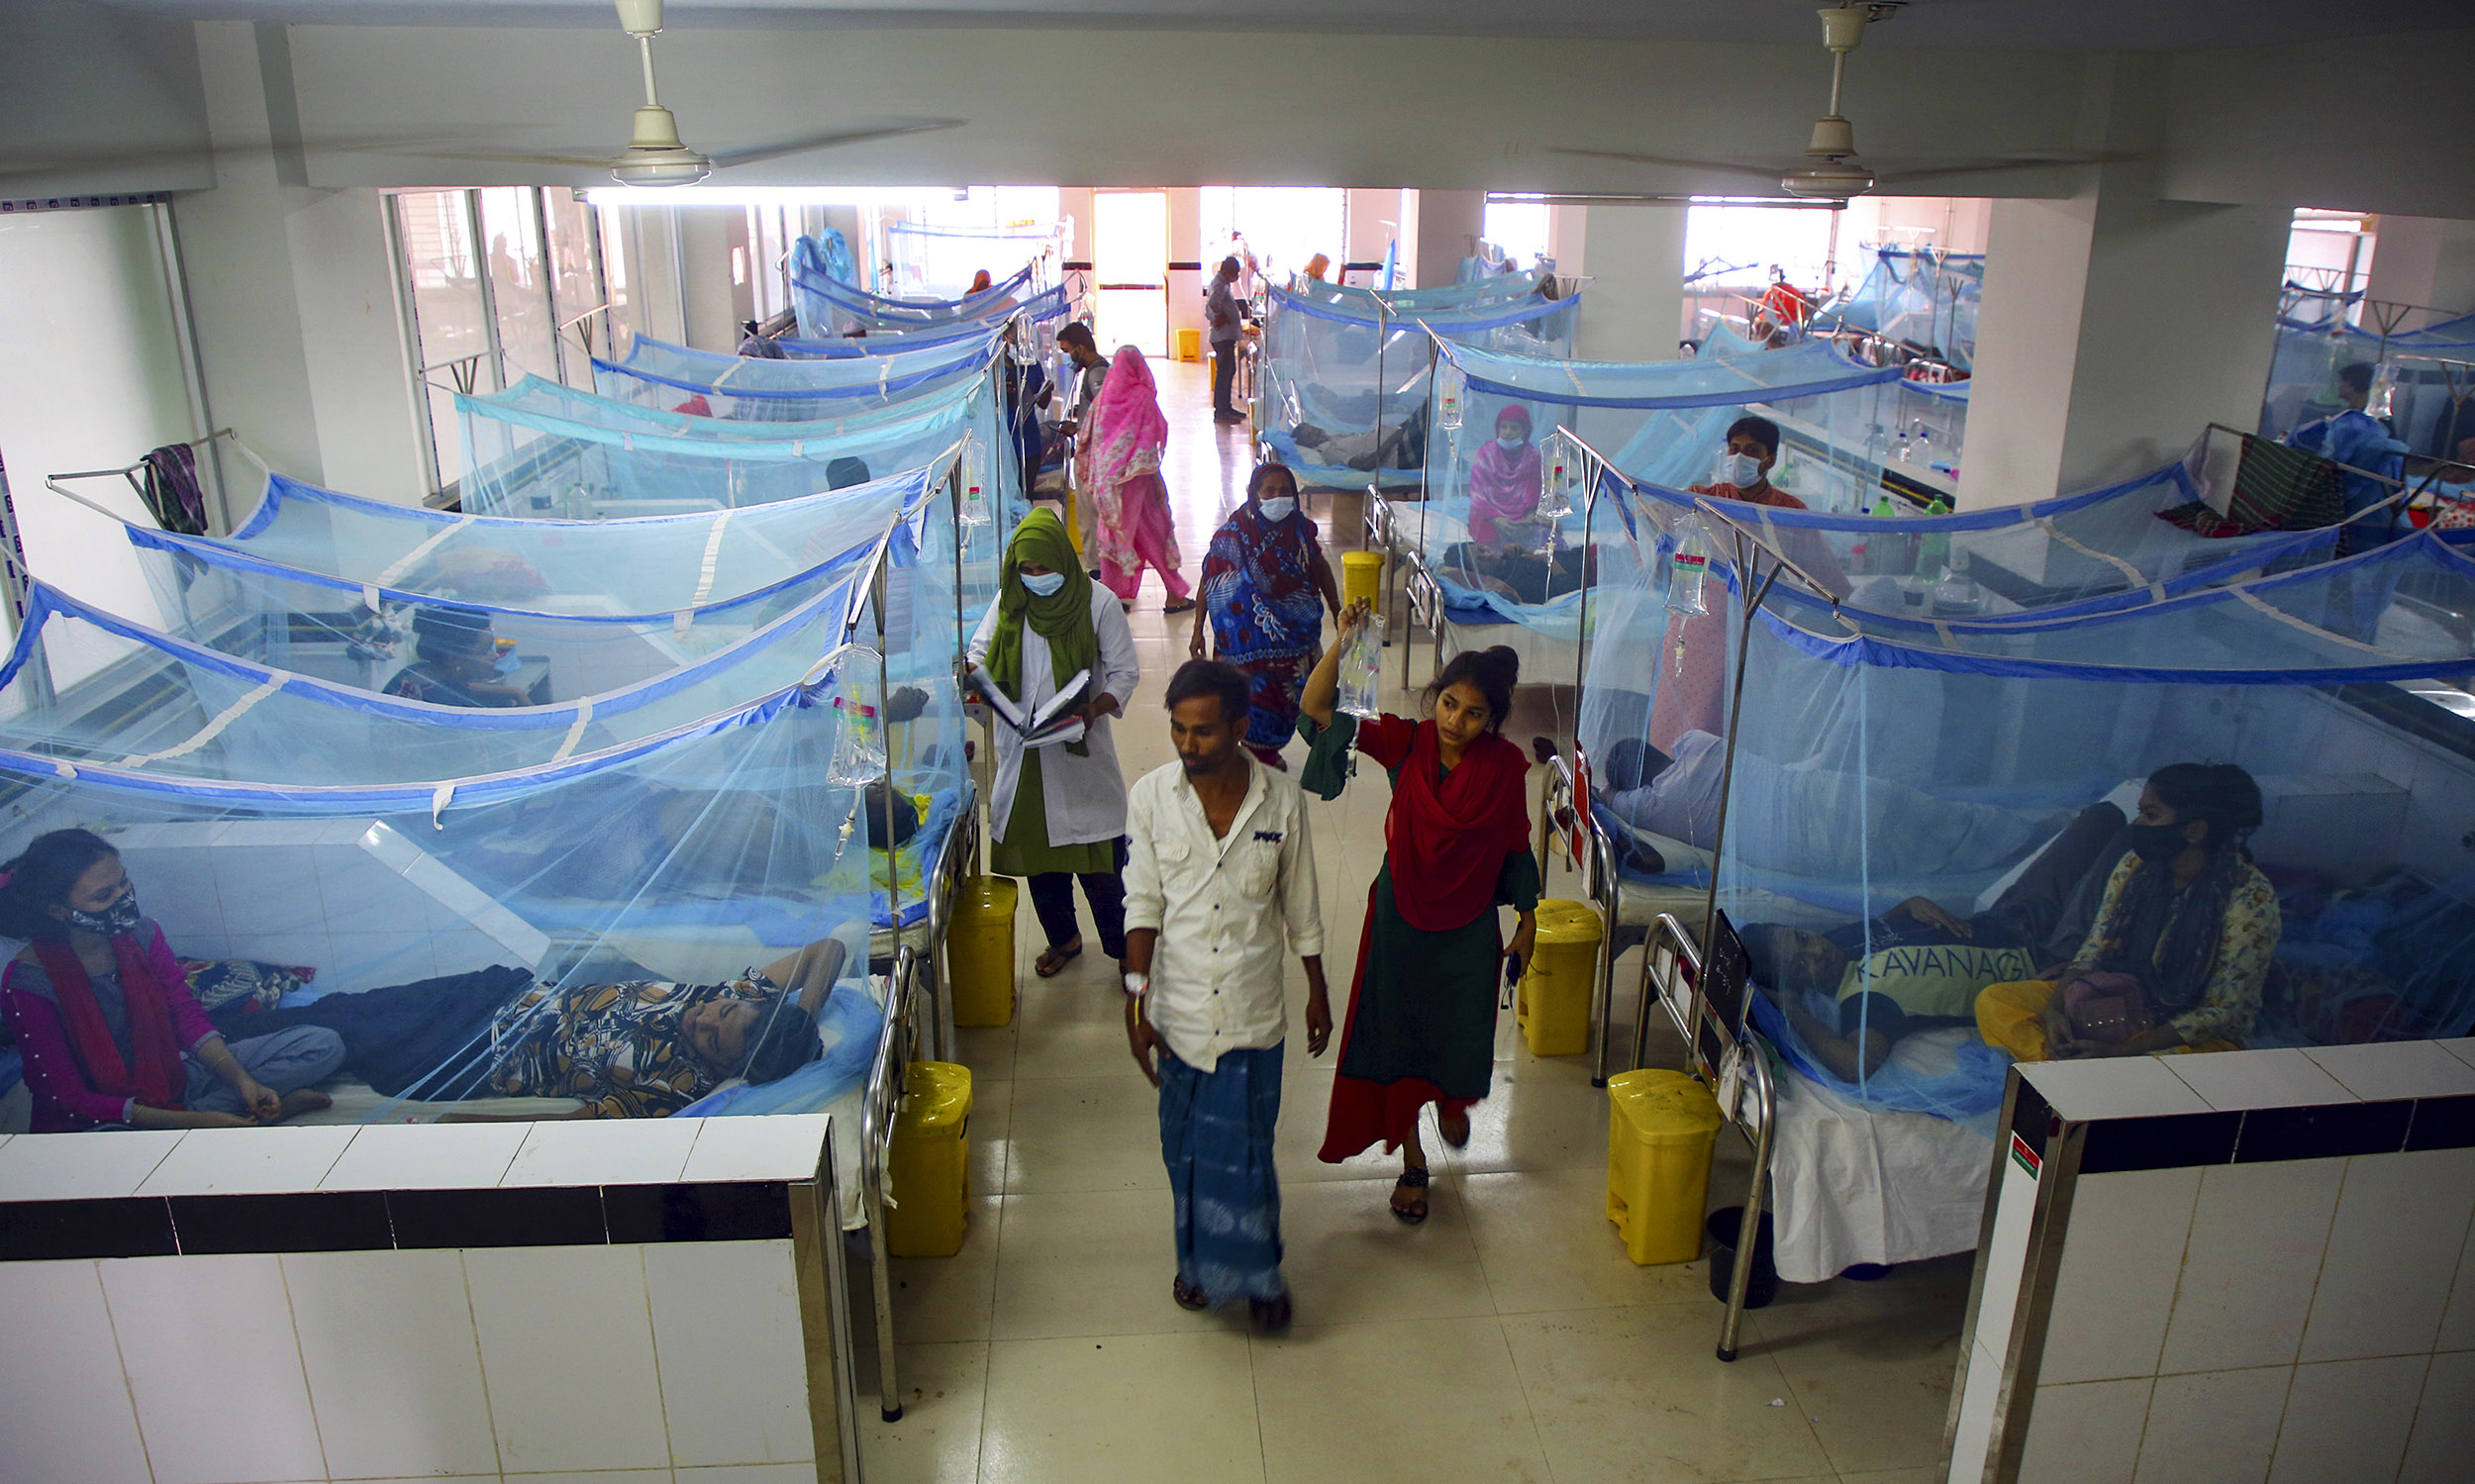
(655, 155)
(1830, 171)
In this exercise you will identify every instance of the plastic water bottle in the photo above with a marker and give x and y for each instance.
(1933, 552)
(1901, 453)
(1957, 596)
(1687, 567)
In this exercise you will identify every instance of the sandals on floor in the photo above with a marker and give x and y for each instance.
(1187, 1298)
(1414, 1179)
(1177, 608)
(1052, 962)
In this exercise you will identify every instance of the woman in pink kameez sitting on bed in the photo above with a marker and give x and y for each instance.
(1503, 477)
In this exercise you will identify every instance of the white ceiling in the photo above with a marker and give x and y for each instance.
(2030, 25)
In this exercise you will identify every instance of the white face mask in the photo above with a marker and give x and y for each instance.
(1279, 506)
(1512, 445)
(1741, 470)
(1045, 585)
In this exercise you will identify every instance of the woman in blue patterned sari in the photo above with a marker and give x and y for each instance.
(1265, 590)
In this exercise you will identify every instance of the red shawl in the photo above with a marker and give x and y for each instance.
(1448, 834)
(158, 1080)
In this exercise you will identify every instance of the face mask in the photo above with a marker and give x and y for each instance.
(1741, 470)
(1511, 445)
(112, 921)
(2156, 842)
(1279, 508)
(507, 664)
(1045, 585)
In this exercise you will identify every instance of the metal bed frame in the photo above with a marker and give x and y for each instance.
(896, 1039)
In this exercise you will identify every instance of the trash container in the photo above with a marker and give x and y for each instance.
(1660, 1126)
(1553, 1008)
(1761, 1285)
(1362, 576)
(928, 1174)
(979, 952)
(1190, 344)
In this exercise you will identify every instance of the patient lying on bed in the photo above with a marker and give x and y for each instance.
(1807, 819)
(641, 1048)
(1519, 572)
(1918, 967)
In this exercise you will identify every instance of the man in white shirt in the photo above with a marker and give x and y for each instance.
(1220, 880)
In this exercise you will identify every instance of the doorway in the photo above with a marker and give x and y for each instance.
(1129, 261)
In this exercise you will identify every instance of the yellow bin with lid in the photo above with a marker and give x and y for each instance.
(979, 952)
(1553, 1005)
(1190, 344)
(1660, 1126)
(1362, 576)
(929, 1172)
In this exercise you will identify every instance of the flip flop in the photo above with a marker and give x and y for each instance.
(1414, 1179)
(1052, 962)
(1176, 608)
(1187, 1298)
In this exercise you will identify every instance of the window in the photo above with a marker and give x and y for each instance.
(1520, 228)
(1283, 226)
(500, 285)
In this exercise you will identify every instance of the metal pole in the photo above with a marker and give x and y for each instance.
(1748, 1235)
(1752, 597)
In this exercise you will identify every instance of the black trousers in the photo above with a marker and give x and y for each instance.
(1053, 898)
(1224, 374)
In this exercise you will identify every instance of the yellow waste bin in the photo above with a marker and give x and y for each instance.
(979, 952)
(1362, 576)
(1553, 1007)
(1660, 1126)
(928, 1174)
(1190, 344)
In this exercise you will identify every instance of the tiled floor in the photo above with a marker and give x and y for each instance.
(1507, 1338)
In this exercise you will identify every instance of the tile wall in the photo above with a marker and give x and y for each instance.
(352, 898)
(2267, 1273)
(675, 1361)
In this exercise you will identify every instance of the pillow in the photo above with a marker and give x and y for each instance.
(242, 985)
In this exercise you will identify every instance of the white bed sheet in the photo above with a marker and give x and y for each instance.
(1852, 1183)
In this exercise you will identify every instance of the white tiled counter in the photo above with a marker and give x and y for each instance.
(649, 1301)
(2245, 1266)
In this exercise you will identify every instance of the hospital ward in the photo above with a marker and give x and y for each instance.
(1009, 743)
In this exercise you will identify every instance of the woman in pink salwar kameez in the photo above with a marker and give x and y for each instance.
(1132, 530)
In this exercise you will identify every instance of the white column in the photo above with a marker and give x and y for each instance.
(1185, 285)
(1635, 302)
(2114, 325)
(2426, 261)
(293, 290)
(1449, 224)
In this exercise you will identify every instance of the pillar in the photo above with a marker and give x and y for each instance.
(1634, 255)
(293, 289)
(2427, 261)
(1186, 284)
(2116, 325)
(1449, 224)
(1374, 225)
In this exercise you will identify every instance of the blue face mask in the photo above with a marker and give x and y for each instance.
(1511, 445)
(1741, 470)
(1045, 585)
(1279, 506)
(507, 664)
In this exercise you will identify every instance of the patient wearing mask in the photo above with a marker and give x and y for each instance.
(1504, 484)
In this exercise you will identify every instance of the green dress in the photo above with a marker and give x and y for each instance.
(1026, 851)
(1420, 1024)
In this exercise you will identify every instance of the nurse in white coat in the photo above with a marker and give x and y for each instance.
(1058, 812)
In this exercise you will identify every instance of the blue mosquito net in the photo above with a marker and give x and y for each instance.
(465, 934)
(1987, 767)
(706, 384)
(1507, 532)
(1045, 308)
(1921, 299)
(1344, 386)
(306, 537)
(939, 261)
(826, 308)
(2423, 374)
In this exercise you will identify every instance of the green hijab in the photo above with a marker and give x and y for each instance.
(1063, 618)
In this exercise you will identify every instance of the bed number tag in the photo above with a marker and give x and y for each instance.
(1730, 1080)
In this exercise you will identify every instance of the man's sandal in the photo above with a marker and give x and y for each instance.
(1052, 962)
(1411, 1179)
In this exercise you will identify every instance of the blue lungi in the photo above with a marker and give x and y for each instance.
(1215, 1138)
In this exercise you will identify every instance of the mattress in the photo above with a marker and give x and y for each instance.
(1852, 1183)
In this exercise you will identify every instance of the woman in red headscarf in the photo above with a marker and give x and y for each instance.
(1503, 477)
(1421, 1026)
(1123, 473)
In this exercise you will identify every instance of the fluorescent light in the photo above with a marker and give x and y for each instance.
(768, 195)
